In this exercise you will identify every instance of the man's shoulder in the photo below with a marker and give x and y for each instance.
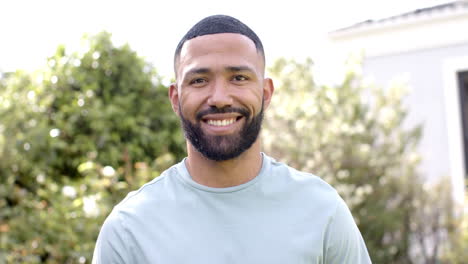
(282, 170)
(302, 182)
(149, 193)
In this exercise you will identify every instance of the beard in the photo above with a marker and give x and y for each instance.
(223, 147)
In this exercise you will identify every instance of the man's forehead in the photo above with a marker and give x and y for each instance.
(242, 48)
(215, 42)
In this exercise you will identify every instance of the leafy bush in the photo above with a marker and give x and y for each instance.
(354, 136)
(75, 137)
(457, 250)
(78, 135)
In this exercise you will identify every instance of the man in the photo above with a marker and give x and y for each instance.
(227, 202)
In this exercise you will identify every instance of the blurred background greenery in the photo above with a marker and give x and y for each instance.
(80, 133)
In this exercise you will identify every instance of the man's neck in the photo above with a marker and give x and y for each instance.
(221, 174)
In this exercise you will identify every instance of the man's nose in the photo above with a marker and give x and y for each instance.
(220, 95)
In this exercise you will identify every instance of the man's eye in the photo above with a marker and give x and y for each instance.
(240, 78)
(198, 81)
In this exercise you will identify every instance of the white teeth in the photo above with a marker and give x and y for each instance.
(224, 122)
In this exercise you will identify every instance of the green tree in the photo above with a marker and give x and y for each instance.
(74, 138)
(354, 137)
(457, 250)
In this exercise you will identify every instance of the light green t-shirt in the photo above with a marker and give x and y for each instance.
(281, 216)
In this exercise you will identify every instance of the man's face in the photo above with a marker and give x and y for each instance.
(220, 94)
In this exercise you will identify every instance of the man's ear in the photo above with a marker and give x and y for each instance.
(268, 89)
(174, 97)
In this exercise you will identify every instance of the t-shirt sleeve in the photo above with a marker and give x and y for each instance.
(344, 242)
(110, 246)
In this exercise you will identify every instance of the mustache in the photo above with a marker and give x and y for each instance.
(227, 109)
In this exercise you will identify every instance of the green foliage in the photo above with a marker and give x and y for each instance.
(78, 135)
(457, 251)
(354, 137)
(75, 137)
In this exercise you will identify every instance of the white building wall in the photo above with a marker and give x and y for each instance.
(424, 70)
(422, 47)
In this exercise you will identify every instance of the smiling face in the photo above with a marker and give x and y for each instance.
(220, 94)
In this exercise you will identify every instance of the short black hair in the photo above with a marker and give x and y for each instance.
(219, 24)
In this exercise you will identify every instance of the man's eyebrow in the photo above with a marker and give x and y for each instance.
(233, 69)
(197, 71)
(239, 68)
